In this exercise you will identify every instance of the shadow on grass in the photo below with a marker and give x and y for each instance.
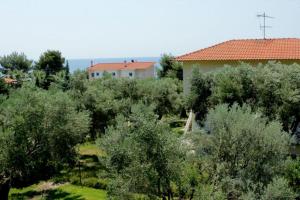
(24, 195)
(59, 194)
(47, 195)
(91, 162)
(92, 158)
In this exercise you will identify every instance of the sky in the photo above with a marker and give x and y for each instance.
(137, 28)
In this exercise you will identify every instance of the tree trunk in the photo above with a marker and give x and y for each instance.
(170, 194)
(192, 194)
(4, 188)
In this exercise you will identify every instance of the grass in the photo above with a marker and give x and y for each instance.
(66, 185)
(87, 193)
(88, 172)
(90, 149)
(177, 125)
(62, 192)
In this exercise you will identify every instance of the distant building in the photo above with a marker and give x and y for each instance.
(252, 51)
(123, 70)
(10, 81)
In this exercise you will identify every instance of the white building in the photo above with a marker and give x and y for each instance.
(123, 70)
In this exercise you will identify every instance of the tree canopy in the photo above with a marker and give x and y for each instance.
(170, 67)
(107, 97)
(272, 88)
(145, 157)
(51, 62)
(16, 61)
(39, 131)
(240, 152)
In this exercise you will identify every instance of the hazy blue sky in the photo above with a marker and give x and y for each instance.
(131, 28)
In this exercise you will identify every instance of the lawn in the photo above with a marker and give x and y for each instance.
(62, 192)
(67, 185)
(90, 149)
(84, 192)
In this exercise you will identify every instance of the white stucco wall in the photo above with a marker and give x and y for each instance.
(101, 73)
(126, 73)
(138, 73)
(145, 73)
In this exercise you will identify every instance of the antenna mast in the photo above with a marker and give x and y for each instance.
(264, 27)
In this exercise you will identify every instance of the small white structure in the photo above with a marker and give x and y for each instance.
(123, 70)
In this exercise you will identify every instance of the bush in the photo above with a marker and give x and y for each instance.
(292, 174)
(92, 182)
(95, 183)
(279, 190)
(241, 149)
(106, 98)
(272, 88)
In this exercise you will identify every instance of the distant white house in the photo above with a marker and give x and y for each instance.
(123, 70)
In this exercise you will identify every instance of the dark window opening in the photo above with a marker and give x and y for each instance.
(97, 74)
(113, 73)
(130, 74)
(93, 74)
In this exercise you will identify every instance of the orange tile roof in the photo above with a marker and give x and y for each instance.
(9, 80)
(250, 49)
(121, 66)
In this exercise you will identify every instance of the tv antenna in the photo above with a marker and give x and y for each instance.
(264, 27)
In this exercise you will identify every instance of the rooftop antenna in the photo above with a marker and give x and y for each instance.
(264, 27)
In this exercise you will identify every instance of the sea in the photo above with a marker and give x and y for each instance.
(82, 64)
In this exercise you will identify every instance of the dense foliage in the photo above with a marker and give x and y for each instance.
(170, 67)
(39, 131)
(51, 63)
(240, 152)
(107, 97)
(15, 61)
(273, 89)
(3, 87)
(145, 158)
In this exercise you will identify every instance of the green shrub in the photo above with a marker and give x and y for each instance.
(179, 130)
(75, 180)
(60, 179)
(94, 182)
(91, 182)
(292, 173)
(279, 189)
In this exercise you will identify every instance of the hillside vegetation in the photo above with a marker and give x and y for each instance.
(63, 136)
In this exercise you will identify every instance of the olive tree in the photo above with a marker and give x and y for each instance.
(38, 133)
(271, 88)
(279, 189)
(241, 150)
(143, 156)
(170, 67)
(107, 97)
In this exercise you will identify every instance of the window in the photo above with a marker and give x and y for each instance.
(97, 74)
(130, 74)
(93, 74)
(114, 73)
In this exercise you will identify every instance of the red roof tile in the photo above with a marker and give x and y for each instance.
(250, 49)
(9, 80)
(121, 66)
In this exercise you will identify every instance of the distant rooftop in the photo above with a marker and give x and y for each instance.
(9, 80)
(121, 66)
(248, 49)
